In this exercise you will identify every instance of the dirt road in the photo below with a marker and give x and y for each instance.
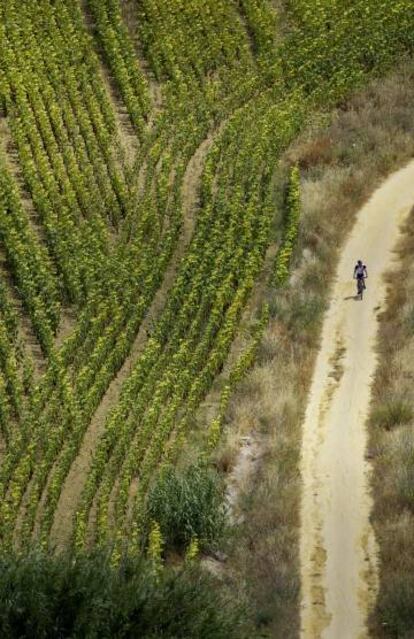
(338, 558)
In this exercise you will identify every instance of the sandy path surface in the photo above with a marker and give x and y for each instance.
(338, 554)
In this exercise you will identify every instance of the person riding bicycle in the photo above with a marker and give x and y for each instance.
(360, 272)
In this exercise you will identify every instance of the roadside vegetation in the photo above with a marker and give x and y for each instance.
(392, 451)
(189, 508)
(46, 597)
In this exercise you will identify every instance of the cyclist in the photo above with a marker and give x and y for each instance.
(360, 272)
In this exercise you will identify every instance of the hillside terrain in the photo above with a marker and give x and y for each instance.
(151, 200)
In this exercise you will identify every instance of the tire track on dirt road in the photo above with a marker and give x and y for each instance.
(338, 549)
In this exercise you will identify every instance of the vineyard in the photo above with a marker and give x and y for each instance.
(139, 145)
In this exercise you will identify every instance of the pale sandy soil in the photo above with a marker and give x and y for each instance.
(337, 549)
(245, 465)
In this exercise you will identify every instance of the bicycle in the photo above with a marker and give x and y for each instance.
(360, 287)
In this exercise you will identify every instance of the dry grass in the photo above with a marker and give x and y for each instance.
(392, 446)
(343, 158)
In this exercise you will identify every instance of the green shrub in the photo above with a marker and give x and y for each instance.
(188, 505)
(394, 412)
(43, 597)
(284, 254)
(405, 486)
(396, 607)
(405, 472)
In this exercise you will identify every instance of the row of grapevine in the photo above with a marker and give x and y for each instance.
(262, 25)
(58, 169)
(94, 116)
(119, 54)
(201, 51)
(284, 254)
(185, 41)
(29, 264)
(237, 373)
(319, 54)
(15, 369)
